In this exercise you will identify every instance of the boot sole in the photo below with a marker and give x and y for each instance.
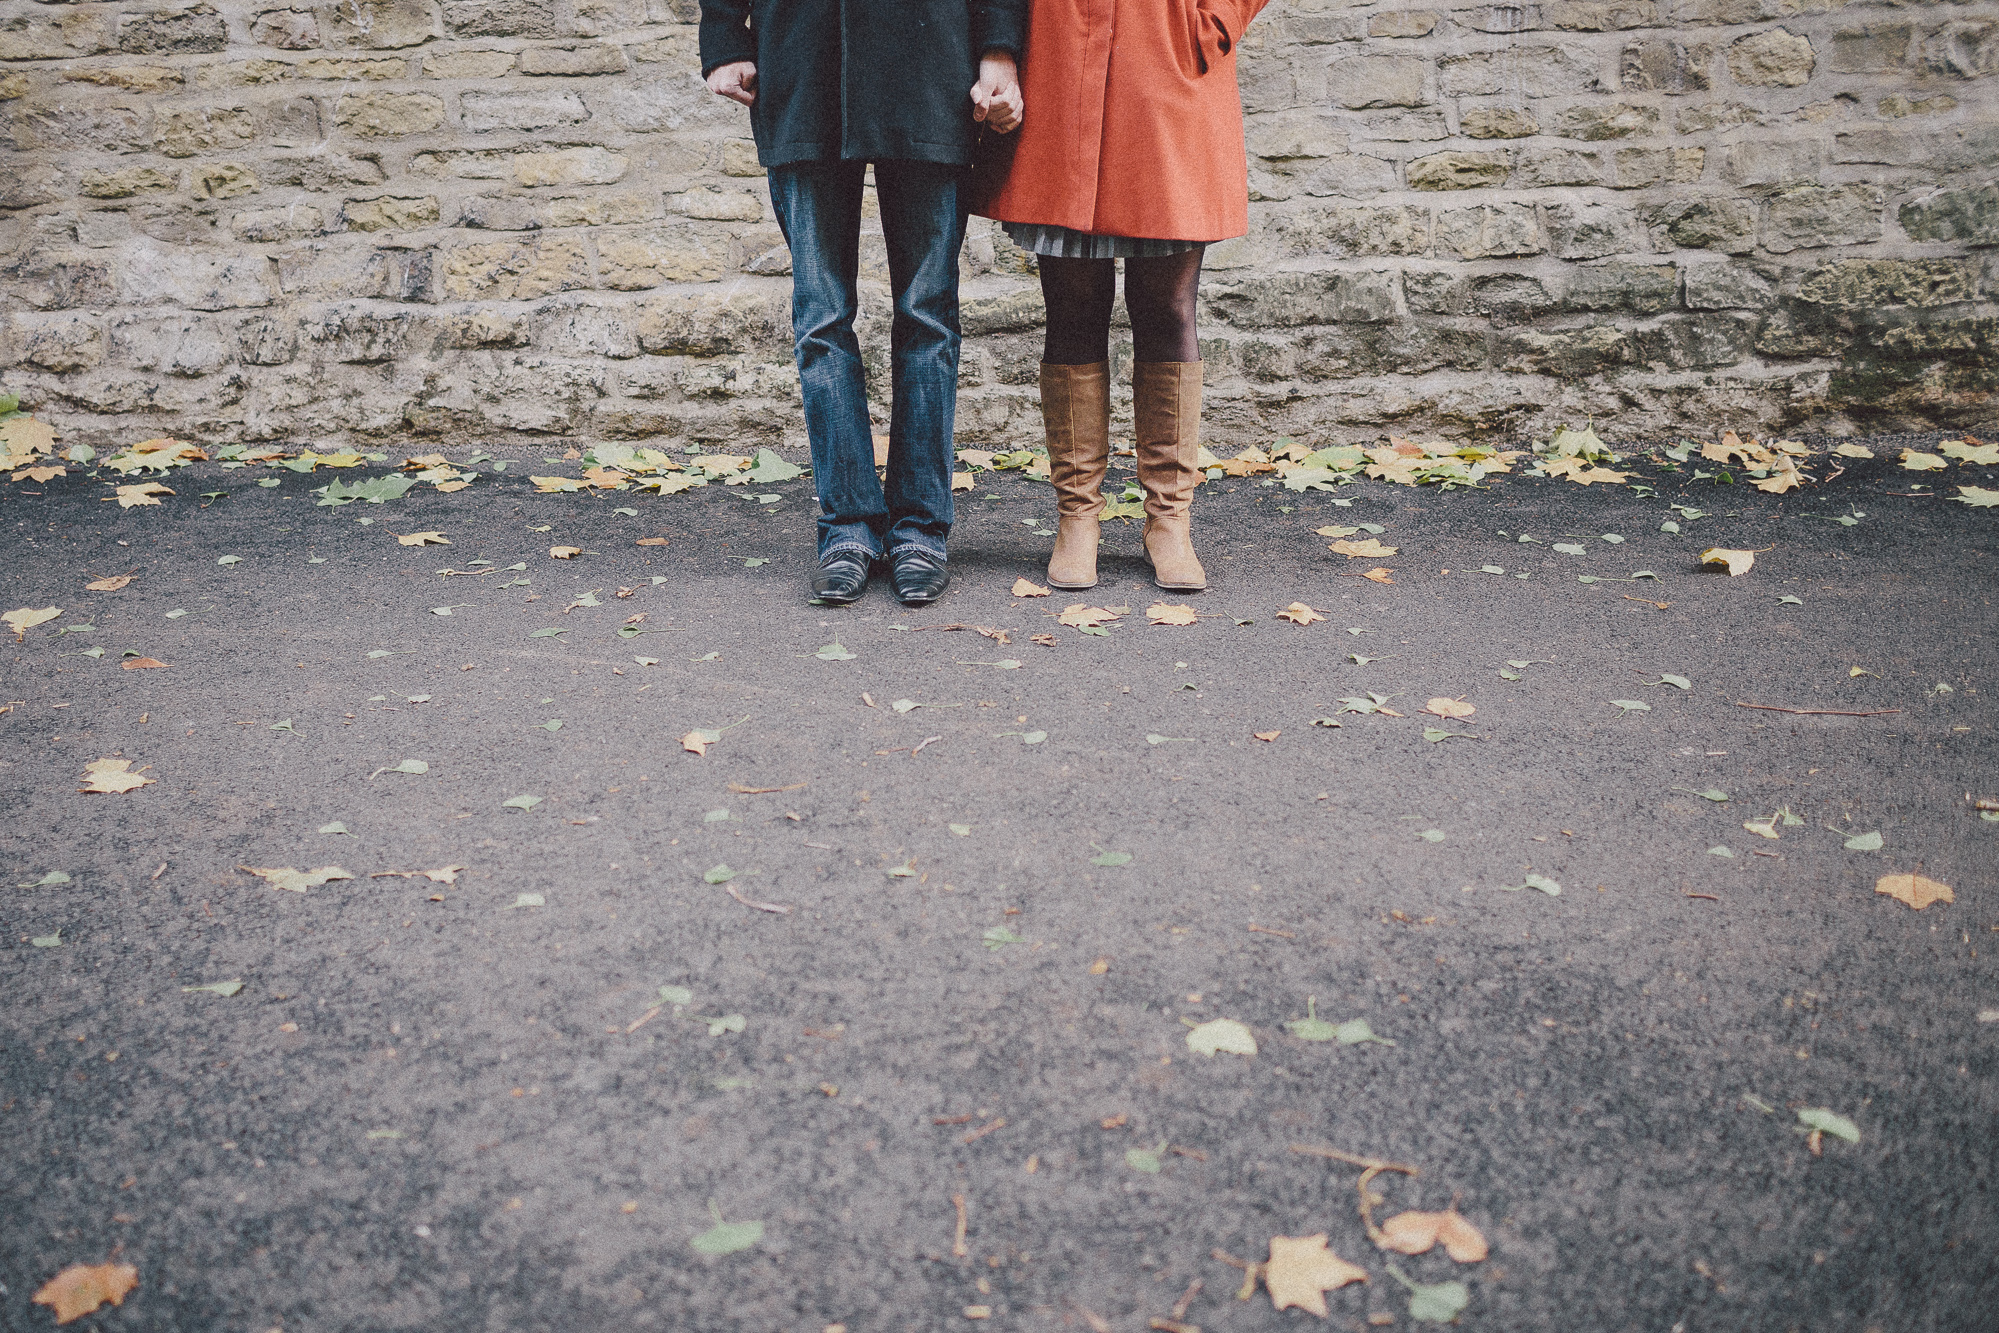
(1074, 587)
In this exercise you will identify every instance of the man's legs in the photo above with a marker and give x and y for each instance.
(818, 206)
(923, 221)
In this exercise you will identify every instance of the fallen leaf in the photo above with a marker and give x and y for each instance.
(1266, 735)
(1915, 890)
(110, 584)
(223, 988)
(1864, 842)
(26, 618)
(1370, 548)
(1415, 1233)
(996, 938)
(1022, 588)
(835, 652)
(1824, 1121)
(565, 552)
(297, 881)
(652, 541)
(140, 493)
(1301, 1269)
(526, 900)
(140, 663)
(1221, 1034)
(1737, 562)
(82, 1288)
(109, 775)
(441, 875)
(1631, 705)
(1438, 1303)
(1081, 615)
(1312, 1027)
(1161, 613)
(522, 802)
(1979, 497)
(1541, 882)
(1145, 1159)
(1355, 1032)
(726, 1237)
(1379, 575)
(423, 539)
(1967, 452)
(1449, 708)
(1916, 461)
(1300, 614)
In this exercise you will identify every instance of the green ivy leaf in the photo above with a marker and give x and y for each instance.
(1355, 1031)
(1312, 1027)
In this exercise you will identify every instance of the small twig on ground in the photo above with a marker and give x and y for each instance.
(958, 1247)
(643, 1019)
(1266, 930)
(1172, 1326)
(999, 1122)
(782, 909)
(1709, 896)
(1251, 1271)
(1186, 1301)
(1375, 1166)
(740, 790)
(1097, 1323)
(1817, 712)
(161, 871)
(927, 740)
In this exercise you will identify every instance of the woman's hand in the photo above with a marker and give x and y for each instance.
(737, 82)
(996, 96)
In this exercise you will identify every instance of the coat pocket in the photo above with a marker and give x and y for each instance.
(1207, 34)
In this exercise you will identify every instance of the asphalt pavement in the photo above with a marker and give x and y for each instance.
(1012, 876)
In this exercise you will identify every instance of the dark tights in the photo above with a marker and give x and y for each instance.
(1158, 295)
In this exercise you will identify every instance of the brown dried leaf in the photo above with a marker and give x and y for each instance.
(1300, 614)
(109, 775)
(881, 451)
(1301, 1270)
(963, 481)
(140, 493)
(652, 541)
(1022, 588)
(82, 1288)
(565, 552)
(1162, 613)
(695, 742)
(441, 875)
(1732, 448)
(295, 881)
(1045, 640)
(46, 472)
(608, 478)
(1915, 890)
(1379, 575)
(1737, 562)
(141, 663)
(1449, 708)
(1414, 1233)
(24, 437)
(26, 618)
(112, 584)
(423, 539)
(1368, 547)
(1266, 735)
(1081, 615)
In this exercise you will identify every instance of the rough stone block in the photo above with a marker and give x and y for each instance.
(1496, 122)
(59, 277)
(1728, 287)
(468, 65)
(596, 58)
(1349, 233)
(1639, 289)
(1592, 121)
(262, 341)
(63, 343)
(1775, 162)
(1867, 284)
(241, 74)
(1424, 126)
(1713, 116)
(1698, 342)
(1284, 300)
(1807, 216)
(716, 205)
(1351, 175)
(377, 25)
(1519, 71)
(1570, 353)
(390, 213)
(1727, 225)
(1363, 81)
(514, 272)
(570, 166)
(181, 345)
(1661, 66)
(152, 274)
(1968, 215)
(286, 29)
(486, 328)
(1895, 106)
(357, 335)
(173, 32)
(739, 158)
(1876, 49)
(13, 84)
(352, 71)
(538, 110)
(1402, 23)
(1285, 137)
(500, 18)
(721, 323)
(482, 164)
(1541, 167)
(30, 37)
(498, 213)
(1489, 231)
(225, 180)
(320, 270)
(278, 224)
(588, 329)
(127, 182)
(132, 78)
(94, 129)
(632, 263)
(1773, 58)
(1599, 15)
(319, 171)
(1635, 168)
(1592, 231)
(1459, 170)
(599, 210)
(1964, 50)
(384, 115)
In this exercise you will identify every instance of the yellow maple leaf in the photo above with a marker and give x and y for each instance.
(1737, 562)
(442, 875)
(1785, 477)
(1301, 1269)
(1266, 735)
(24, 437)
(1732, 447)
(1415, 1233)
(1163, 613)
(1379, 574)
(1368, 546)
(1915, 890)
(109, 775)
(1081, 615)
(423, 539)
(556, 485)
(963, 481)
(26, 618)
(1300, 614)
(1449, 708)
(1916, 461)
(695, 742)
(296, 881)
(1022, 588)
(976, 457)
(140, 493)
(47, 472)
(112, 584)
(1970, 451)
(565, 552)
(426, 461)
(449, 486)
(1853, 451)
(82, 1288)
(608, 478)
(1590, 474)
(716, 464)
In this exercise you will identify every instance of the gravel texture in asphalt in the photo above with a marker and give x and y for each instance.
(1008, 876)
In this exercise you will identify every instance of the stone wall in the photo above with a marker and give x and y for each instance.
(376, 220)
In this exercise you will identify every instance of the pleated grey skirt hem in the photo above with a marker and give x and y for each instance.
(1067, 243)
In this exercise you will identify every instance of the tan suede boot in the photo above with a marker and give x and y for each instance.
(1076, 414)
(1166, 405)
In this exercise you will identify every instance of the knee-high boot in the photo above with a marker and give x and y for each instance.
(1166, 399)
(1075, 413)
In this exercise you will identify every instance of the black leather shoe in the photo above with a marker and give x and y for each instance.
(842, 578)
(920, 577)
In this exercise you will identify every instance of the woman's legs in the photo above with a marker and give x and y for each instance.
(1160, 296)
(1076, 408)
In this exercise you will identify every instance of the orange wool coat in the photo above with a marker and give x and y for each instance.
(1133, 123)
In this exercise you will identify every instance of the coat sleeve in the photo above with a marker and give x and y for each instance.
(1001, 25)
(725, 33)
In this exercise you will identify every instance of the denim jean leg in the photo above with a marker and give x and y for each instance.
(923, 222)
(818, 207)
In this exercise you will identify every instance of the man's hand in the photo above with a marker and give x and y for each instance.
(996, 96)
(737, 82)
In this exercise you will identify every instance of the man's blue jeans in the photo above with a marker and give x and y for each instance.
(818, 205)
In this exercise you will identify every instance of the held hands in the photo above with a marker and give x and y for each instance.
(737, 82)
(996, 96)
